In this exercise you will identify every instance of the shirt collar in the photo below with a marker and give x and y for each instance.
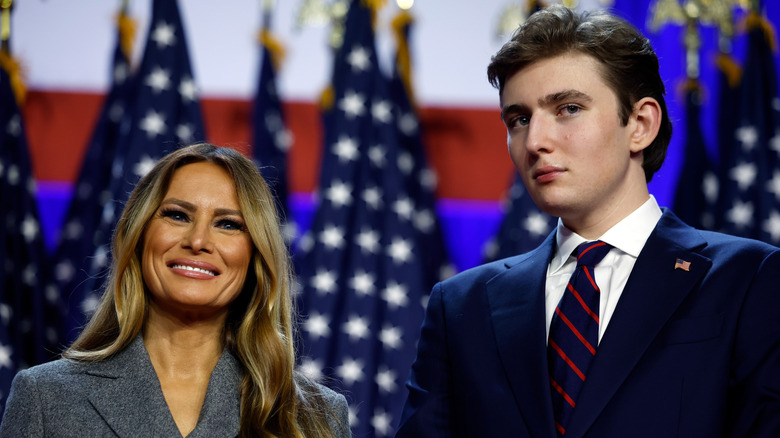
(629, 235)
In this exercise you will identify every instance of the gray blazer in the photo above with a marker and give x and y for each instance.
(122, 397)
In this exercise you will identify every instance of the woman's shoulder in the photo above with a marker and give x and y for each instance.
(329, 401)
(53, 370)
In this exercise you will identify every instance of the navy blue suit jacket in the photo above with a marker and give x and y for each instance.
(691, 353)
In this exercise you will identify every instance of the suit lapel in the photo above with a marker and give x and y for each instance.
(516, 300)
(654, 290)
(128, 394)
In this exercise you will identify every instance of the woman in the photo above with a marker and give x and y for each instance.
(193, 336)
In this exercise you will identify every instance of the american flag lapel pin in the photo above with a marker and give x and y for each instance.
(682, 264)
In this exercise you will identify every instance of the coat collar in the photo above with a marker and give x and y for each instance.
(129, 397)
(516, 301)
(654, 291)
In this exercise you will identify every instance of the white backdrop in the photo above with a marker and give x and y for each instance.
(66, 45)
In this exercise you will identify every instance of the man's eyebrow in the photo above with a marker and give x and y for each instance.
(562, 96)
(512, 109)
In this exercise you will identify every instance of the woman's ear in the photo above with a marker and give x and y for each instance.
(646, 121)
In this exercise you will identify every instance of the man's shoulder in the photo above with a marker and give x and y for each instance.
(485, 272)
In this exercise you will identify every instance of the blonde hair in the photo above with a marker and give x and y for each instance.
(259, 327)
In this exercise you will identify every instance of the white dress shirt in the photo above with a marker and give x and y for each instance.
(627, 237)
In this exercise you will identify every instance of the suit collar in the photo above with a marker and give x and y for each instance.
(130, 399)
(655, 289)
(516, 301)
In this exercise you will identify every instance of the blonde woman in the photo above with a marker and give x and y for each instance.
(194, 335)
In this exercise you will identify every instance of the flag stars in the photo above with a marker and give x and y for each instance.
(748, 136)
(30, 228)
(381, 422)
(376, 154)
(773, 185)
(351, 371)
(353, 104)
(317, 325)
(158, 80)
(381, 111)
(404, 208)
(744, 174)
(164, 35)
(339, 193)
(391, 337)
(710, 187)
(386, 380)
(400, 250)
(311, 368)
(5, 357)
(368, 241)
(771, 226)
(188, 90)
(359, 59)
(356, 328)
(143, 166)
(372, 196)
(740, 214)
(395, 295)
(153, 124)
(185, 132)
(536, 224)
(324, 282)
(363, 283)
(346, 149)
(332, 237)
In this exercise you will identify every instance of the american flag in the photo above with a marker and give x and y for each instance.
(523, 228)
(420, 179)
(163, 114)
(272, 139)
(81, 234)
(360, 271)
(29, 317)
(697, 188)
(750, 189)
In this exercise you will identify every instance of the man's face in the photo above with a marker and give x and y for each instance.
(566, 140)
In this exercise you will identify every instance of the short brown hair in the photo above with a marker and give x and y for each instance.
(630, 66)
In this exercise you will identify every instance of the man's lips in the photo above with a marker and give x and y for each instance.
(546, 174)
(193, 268)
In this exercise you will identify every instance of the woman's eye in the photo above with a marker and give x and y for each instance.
(230, 224)
(175, 215)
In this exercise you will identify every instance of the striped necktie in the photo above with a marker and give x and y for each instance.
(574, 333)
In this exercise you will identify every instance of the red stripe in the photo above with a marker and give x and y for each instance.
(560, 390)
(582, 302)
(596, 245)
(567, 360)
(575, 331)
(560, 428)
(592, 281)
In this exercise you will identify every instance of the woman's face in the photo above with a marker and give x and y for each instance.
(196, 248)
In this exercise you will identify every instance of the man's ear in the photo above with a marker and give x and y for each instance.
(645, 121)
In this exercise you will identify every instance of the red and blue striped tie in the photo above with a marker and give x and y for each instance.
(574, 333)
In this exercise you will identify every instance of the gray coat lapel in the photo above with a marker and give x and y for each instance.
(516, 299)
(129, 398)
(128, 394)
(655, 289)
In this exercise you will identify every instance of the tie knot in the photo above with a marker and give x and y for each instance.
(591, 253)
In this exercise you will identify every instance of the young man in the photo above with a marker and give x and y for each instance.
(674, 332)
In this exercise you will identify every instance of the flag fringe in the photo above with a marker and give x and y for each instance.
(274, 46)
(14, 70)
(755, 21)
(730, 69)
(403, 58)
(127, 27)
